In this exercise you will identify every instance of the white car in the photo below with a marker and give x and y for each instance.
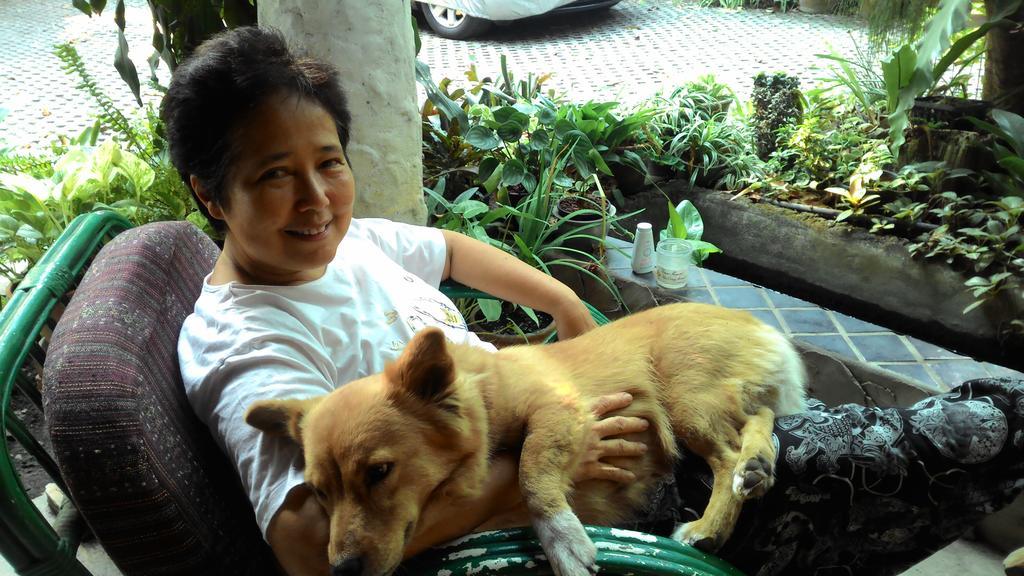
(460, 19)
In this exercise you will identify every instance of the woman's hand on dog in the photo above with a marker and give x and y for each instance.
(602, 441)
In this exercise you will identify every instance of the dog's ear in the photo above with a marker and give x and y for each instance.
(425, 370)
(280, 417)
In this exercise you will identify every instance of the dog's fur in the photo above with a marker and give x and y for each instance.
(380, 449)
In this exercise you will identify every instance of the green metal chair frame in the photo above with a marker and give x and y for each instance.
(27, 540)
(33, 547)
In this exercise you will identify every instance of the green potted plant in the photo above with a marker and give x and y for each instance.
(543, 241)
(685, 222)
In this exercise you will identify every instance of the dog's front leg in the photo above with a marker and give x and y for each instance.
(554, 438)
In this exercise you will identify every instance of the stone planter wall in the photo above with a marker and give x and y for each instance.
(841, 267)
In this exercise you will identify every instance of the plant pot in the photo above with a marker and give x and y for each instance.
(954, 112)
(532, 334)
(588, 224)
(814, 6)
(629, 179)
(659, 172)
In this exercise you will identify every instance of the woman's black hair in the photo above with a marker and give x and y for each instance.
(214, 91)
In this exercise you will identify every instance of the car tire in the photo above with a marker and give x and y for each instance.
(450, 23)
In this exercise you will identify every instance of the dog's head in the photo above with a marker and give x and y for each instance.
(378, 449)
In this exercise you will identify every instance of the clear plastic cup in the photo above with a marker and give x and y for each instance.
(675, 256)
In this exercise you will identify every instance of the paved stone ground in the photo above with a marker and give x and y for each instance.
(627, 53)
(41, 99)
(641, 46)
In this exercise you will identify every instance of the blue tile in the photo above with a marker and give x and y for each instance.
(916, 371)
(741, 297)
(1003, 372)
(697, 295)
(832, 342)
(808, 321)
(786, 301)
(768, 318)
(717, 279)
(619, 257)
(930, 351)
(882, 348)
(956, 372)
(694, 278)
(851, 324)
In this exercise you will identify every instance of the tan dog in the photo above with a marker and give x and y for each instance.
(380, 449)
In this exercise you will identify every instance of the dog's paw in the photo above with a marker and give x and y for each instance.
(568, 548)
(753, 478)
(694, 534)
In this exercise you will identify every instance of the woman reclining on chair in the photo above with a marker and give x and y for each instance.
(304, 297)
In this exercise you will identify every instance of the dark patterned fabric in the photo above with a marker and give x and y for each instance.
(870, 491)
(146, 474)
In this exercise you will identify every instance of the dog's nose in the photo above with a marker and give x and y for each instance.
(350, 567)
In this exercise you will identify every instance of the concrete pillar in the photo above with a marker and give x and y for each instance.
(371, 43)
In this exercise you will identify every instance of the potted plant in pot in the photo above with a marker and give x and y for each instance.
(584, 216)
(535, 237)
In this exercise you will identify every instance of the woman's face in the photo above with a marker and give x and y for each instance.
(289, 194)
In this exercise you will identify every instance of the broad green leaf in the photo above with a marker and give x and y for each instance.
(1013, 128)
(1015, 166)
(691, 220)
(491, 183)
(136, 170)
(540, 139)
(547, 116)
(487, 167)
(491, 309)
(513, 173)
(676, 227)
(510, 131)
(483, 138)
(564, 127)
(470, 208)
(510, 114)
(35, 190)
(29, 234)
(598, 161)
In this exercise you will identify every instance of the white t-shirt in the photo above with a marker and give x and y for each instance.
(245, 343)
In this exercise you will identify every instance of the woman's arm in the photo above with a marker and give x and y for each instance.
(484, 267)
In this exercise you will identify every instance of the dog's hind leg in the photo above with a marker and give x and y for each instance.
(711, 427)
(755, 467)
(723, 510)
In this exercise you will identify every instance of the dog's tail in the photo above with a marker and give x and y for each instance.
(789, 376)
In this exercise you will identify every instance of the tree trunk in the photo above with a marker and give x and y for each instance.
(1004, 74)
(371, 43)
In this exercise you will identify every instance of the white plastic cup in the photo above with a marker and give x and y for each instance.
(674, 258)
(643, 249)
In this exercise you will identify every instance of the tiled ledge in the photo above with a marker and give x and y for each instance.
(807, 322)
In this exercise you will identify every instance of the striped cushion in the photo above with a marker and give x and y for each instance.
(144, 471)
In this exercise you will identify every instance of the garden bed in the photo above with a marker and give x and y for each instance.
(842, 268)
